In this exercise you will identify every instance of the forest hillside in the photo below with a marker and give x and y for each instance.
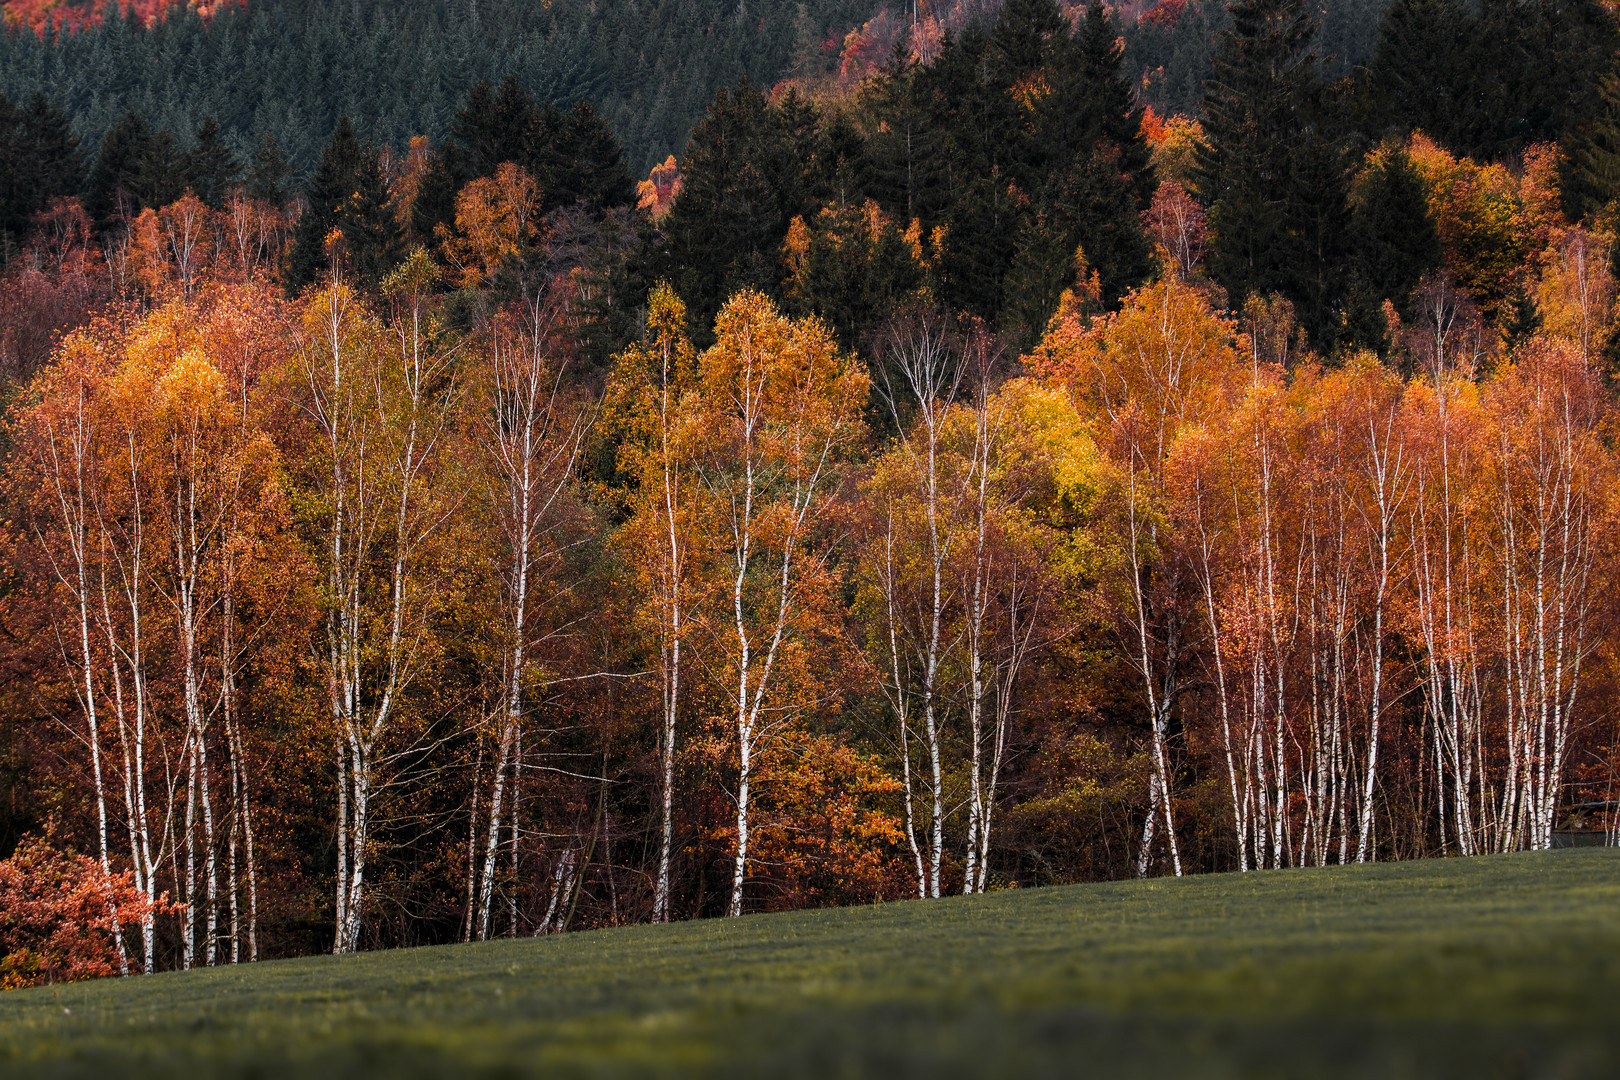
(287, 69)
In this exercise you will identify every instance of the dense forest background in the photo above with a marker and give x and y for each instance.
(490, 468)
(286, 70)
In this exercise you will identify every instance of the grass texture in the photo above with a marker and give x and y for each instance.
(1504, 966)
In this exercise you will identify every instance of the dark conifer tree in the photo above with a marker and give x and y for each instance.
(1486, 80)
(435, 202)
(1098, 179)
(490, 128)
(269, 173)
(542, 154)
(1318, 219)
(135, 168)
(903, 145)
(1092, 101)
(1393, 237)
(162, 175)
(210, 167)
(326, 197)
(745, 177)
(14, 211)
(1101, 205)
(1024, 36)
(371, 234)
(46, 162)
(984, 158)
(1592, 167)
(847, 165)
(1272, 169)
(1418, 76)
(586, 164)
(114, 188)
(1044, 265)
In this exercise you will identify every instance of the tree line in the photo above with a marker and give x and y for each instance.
(966, 480)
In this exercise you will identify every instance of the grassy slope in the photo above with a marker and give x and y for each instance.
(1504, 966)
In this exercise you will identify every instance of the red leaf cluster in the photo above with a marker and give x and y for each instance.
(71, 15)
(60, 915)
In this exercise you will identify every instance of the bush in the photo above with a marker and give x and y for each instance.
(60, 915)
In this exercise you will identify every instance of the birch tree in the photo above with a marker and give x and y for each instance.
(1163, 364)
(533, 434)
(779, 404)
(921, 487)
(650, 384)
(381, 401)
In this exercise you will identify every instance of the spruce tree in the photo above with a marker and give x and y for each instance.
(847, 165)
(589, 164)
(1488, 79)
(1392, 233)
(162, 173)
(1024, 36)
(46, 162)
(984, 156)
(1317, 214)
(743, 180)
(1091, 102)
(371, 234)
(1419, 76)
(1272, 169)
(113, 190)
(269, 173)
(1098, 179)
(334, 181)
(210, 167)
(902, 143)
(493, 127)
(435, 202)
(13, 210)
(1592, 167)
(1044, 265)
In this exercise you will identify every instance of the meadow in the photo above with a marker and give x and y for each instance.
(1495, 966)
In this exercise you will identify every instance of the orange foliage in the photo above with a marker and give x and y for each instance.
(1173, 140)
(1164, 361)
(1179, 228)
(868, 47)
(406, 177)
(1576, 298)
(656, 194)
(1166, 13)
(38, 15)
(497, 225)
(1153, 129)
(1492, 220)
(822, 838)
(60, 916)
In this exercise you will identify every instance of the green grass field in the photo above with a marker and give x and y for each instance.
(1503, 966)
